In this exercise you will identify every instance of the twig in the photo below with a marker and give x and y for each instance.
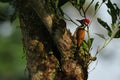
(89, 6)
(84, 12)
(94, 67)
(81, 13)
(96, 13)
(71, 20)
(108, 41)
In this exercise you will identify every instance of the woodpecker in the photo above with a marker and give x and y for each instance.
(80, 32)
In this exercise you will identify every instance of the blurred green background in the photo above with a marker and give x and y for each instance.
(12, 56)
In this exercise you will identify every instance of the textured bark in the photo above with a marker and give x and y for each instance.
(48, 44)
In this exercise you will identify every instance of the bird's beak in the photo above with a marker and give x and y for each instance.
(82, 22)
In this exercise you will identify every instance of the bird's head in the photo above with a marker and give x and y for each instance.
(84, 21)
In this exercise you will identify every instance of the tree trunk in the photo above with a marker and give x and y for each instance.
(48, 44)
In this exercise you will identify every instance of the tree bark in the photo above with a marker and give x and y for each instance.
(48, 44)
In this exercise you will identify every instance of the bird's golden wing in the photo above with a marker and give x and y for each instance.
(80, 36)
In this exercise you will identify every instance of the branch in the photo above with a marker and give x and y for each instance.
(47, 18)
(42, 33)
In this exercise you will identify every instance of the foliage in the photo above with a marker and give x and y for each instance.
(113, 29)
(113, 10)
(12, 58)
(11, 53)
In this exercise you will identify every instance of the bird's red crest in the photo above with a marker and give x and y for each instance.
(87, 21)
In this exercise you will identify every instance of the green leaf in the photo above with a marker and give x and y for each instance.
(85, 45)
(109, 4)
(90, 41)
(101, 36)
(96, 5)
(117, 34)
(78, 2)
(104, 24)
(117, 9)
(109, 34)
(112, 11)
